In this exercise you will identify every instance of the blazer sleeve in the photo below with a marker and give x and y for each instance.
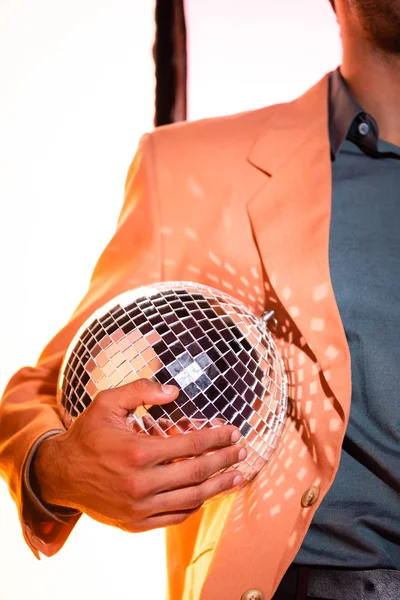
(28, 411)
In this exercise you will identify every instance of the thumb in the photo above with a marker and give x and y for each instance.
(139, 393)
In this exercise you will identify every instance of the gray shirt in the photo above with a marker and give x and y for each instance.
(358, 523)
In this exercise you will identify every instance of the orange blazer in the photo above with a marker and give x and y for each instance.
(243, 204)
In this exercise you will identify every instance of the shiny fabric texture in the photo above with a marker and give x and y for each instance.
(241, 203)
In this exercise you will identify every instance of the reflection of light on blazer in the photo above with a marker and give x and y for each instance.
(243, 204)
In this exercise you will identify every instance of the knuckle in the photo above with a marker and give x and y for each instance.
(138, 456)
(200, 471)
(136, 492)
(222, 483)
(103, 398)
(215, 486)
(143, 386)
(178, 518)
(222, 436)
(196, 445)
(195, 497)
(132, 527)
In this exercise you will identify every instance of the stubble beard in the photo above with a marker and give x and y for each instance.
(380, 21)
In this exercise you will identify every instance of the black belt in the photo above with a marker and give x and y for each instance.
(303, 583)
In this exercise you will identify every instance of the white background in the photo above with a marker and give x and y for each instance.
(76, 92)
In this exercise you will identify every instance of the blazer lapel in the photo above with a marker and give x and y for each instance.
(290, 217)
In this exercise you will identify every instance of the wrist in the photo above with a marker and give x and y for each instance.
(48, 472)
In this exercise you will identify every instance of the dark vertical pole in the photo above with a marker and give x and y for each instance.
(170, 62)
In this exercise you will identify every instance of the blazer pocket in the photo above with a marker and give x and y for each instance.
(196, 572)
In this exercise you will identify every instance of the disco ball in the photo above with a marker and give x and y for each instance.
(220, 355)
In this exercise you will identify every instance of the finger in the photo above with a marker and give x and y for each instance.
(163, 520)
(152, 426)
(161, 450)
(186, 473)
(123, 399)
(185, 424)
(193, 496)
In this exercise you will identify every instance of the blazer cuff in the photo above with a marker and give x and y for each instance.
(43, 511)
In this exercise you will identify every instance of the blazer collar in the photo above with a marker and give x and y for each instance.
(289, 126)
(290, 217)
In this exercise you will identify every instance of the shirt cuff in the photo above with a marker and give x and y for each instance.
(45, 512)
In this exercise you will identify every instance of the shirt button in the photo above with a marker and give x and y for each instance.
(252, 594)
(310, 497)
(363, 128)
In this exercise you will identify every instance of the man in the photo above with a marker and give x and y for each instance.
(293, 207)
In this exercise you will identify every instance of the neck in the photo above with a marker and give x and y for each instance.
(374, 81)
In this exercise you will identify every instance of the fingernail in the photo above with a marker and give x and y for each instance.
(242, 454)
(235, 437)
(168, 389)
(238, 480)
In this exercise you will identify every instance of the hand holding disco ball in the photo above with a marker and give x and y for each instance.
(134, 482)
(220, 356)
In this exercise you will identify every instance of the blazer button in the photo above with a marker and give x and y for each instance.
(310, 497)
(252, 594)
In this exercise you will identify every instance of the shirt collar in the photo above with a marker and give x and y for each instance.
(347, 120)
